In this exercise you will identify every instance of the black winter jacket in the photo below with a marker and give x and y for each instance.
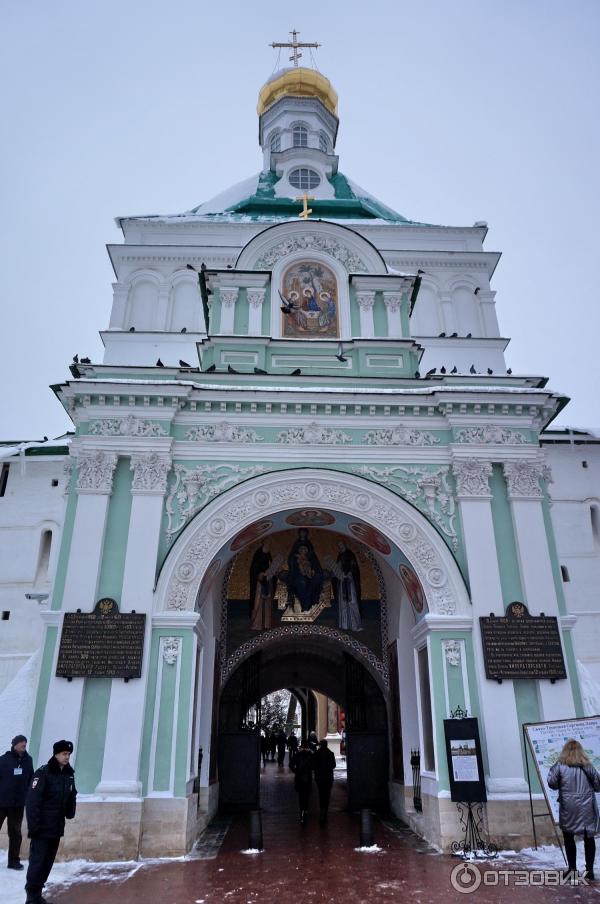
(324, 765)
(50, 800)
(13, 788)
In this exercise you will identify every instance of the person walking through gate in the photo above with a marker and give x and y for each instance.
(292, 745)
(323, 767)
(577, 783)
(16, 769)
(50, 800)
(313, 741)
(281, 745)
(303, 769)
(265, 743)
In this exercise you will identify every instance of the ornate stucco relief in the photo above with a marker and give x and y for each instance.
(313, 434)
(223, 433)
(489, 434)
(351, 261)
(400, 436)
(127, 426)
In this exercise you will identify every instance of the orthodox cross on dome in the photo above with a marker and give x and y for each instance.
(306, 210)
(295, 46)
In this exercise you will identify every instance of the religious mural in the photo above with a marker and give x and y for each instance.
(310, 296)
(304, 576)
(413, 588)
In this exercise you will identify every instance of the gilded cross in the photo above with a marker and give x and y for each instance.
(294, 45)
(306, 210)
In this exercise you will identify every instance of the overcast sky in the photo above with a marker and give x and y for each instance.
(450, 112)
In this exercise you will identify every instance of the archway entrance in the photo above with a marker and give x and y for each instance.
(322, 666)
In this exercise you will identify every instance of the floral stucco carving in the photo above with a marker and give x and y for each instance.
(351, 261)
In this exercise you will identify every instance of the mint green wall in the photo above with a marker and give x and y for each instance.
(436, 669)
(215, 313)
(241, 314)
(266, 313)
(379, 316)
(65, 545)
(354, 314)
(42, 697)
(526, 689)
(167, 732)
(560, 594)
(96, 695)
(573, 673)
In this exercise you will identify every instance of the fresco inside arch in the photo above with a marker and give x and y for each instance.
(309, 290)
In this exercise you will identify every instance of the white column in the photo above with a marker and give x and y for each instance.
(122, 747)
(525, 495)
(498, 705)
(119, 306)
(228, 300)
(94, 486)
(366, 300)
(489, 320)
(256, 298)
(392, 302)
(449, 322)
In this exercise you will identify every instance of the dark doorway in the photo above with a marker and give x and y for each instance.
(305, 662)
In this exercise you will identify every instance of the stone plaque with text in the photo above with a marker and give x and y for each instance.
(101, 644)
(520, 645)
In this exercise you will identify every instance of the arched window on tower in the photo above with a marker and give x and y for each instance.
(275, 142)
(300, 136)
(323, 142)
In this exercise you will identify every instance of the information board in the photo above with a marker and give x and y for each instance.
(520, 645)
(547, 739)
(101, 644)
(465, 765)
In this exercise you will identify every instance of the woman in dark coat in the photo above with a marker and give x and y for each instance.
(577, 783)
(303, 768)
(324, 767)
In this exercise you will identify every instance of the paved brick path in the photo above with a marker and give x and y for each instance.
(307, 865)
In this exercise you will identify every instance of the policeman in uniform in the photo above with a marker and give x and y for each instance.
(50, 800)
(16, 769)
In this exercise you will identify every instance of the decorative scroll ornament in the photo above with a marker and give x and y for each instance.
(428, 490)
(171, 649)
(229, 297)
(490, 434)
(523, 477)
(365, 300)
(127, 426)
(313, 434)
(351, 261)
(400, 436)
(96, 470)
(452, 651)
(255, 297)
(150, 472)
(472, 477)
(193, 488)
(223, 433)
(392, 301)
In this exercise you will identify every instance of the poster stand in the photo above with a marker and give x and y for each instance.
(548, 814)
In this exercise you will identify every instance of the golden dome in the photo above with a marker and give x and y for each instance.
(297, 82)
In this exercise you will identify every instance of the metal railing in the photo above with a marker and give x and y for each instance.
(415, 762)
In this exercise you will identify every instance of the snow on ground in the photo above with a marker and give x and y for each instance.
(72, 872)
(370, 849)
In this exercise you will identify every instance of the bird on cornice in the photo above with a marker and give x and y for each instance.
(454, 370)
(287, 307)
(211, 369)
(159, 363)
(490, 371)
(262, 373)
(472, 369)
(431, 372)
(296, 373)
(231, 370)
(86, 361)
(75, 359)
(184, 363)
(442, 370)
(340, 353)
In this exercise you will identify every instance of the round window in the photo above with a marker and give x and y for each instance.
(304, 178)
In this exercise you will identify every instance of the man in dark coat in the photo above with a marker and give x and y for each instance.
(281, 745)
(323, 767)
(303, 768)
(50, 800)
(16, 769)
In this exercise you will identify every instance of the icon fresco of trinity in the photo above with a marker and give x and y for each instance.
(310, 289)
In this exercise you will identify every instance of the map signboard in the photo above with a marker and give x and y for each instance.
(546, 740)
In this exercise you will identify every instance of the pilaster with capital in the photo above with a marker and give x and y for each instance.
(256, 299)
(228, 297)
(449, 321)
(150, 472)
(119, 306)
(366, 301)
(393, 306)
(487, 307)
(498, 705)
(523, 483)
(162, 308)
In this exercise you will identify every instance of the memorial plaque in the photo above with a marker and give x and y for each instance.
(101, 644)
(520, 645)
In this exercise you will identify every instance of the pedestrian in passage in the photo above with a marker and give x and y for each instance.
(281, 745)
(303, 769)
(273, 745)
(323, 767)
(313, 741)
(264, 748)
(50, 800)
(16, 769)
(292, 745)
(577, 783)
